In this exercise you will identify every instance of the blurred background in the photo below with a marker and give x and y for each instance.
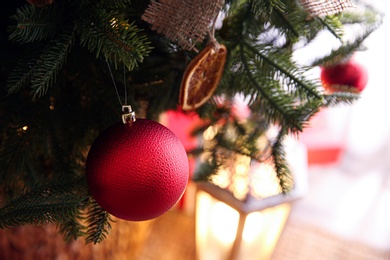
(350, 194)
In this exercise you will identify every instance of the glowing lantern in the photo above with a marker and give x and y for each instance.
(241, 213)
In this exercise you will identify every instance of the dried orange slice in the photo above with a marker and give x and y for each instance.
(202, 76)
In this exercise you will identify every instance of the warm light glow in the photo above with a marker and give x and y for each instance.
(216, 229)
(114, 24)
(202, 218)
(224, 222)
(217, 222)
(52, 103)
(240, 186)
(253, 227)
(244, 177)
(22, 130)
(210, 242)
(210, 133)
(222, 179)
(242, 166)
(264, 181)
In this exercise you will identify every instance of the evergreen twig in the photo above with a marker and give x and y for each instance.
(343, 97)
(50, 62)
(333, 25)
(98, 221)
(36, 23)
(52, 203)
(108, 33)
(282, 170)
(20, 76)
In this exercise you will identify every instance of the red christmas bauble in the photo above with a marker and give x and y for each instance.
(137, 171)
(349, 74)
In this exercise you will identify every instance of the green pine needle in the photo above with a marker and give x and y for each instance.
(53, 203)
(36, 23)
(98, 221)
(278, 99)
(281, 166)
(333, 25)
(118, 40)
(71, 229)
(266, 6)
(342, 97)
(50, 62)
(20, 76)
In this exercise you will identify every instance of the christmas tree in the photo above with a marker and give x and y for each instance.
(64, 64)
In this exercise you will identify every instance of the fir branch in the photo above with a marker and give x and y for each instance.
(266, 6)
(333, 25)
(284, 17)
(343, 53)
(344, 97)
(72, 229)
(288, 23)
(305, 111)
(367, 16)
(36, 23)
(281, 167)
(114, 4)
(370, 19)
(279, 66)
(278, 105)
(50, 62)
(20, 76)
(98, 221)
(245, 148)
(54, 203)
(108, 33)
(268, 75)
(205, 170)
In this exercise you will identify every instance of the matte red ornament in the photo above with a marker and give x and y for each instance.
(137, 171)
(349, 74)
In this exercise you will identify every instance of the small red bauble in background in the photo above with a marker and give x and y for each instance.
(349, 74)
(137, 171)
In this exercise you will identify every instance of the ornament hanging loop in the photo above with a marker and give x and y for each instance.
(128, 115)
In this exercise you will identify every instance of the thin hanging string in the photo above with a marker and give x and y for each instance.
(128, 115)
(116, 88)
(124, 82)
